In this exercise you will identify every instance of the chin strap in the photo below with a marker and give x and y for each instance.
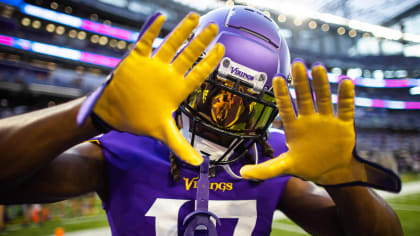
(229, 170)
(200, 218)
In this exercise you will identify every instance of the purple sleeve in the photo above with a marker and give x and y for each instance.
(277, 140)
(126, 151)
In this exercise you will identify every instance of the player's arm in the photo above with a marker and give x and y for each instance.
(352, 210)
(77, 171)
(31, 141)
(363, 212)
(310, 208)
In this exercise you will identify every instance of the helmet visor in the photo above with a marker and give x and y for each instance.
(233, 104)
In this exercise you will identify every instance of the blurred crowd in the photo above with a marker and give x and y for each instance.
(378, 118)
(26, 215)
(397, 150)
(13, 70)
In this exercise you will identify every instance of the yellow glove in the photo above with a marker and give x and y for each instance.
(321, 145)
(145, 89)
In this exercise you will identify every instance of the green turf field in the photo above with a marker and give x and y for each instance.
(408, 210)
(48, 228)
(410, 177)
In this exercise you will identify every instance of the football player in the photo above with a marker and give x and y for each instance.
(146, 170)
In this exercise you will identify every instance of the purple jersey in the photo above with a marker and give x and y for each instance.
(144, 199)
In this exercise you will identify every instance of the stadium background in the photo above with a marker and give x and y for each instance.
(53, 51)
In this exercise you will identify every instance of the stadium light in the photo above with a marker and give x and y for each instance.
(336, 71)
(68, 9)
(54, 5)
(282, 18)
(389, 74)
(312, 24)
(121, 44)
(367, 73)
(366, 35)
(81, 35)
(230, 3)
(113, 43)
(36, 24)
(341, 30)
(354, 72)
(94, 38)
(103, 40)
(72, 33)
(378, 74)
(401, 73)
(298, 21)
(50, 28)
(25, 21)
(352, 33)
(325, 27)
(60, 30)
(415, 90)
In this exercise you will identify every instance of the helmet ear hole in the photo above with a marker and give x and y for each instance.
(225, 62)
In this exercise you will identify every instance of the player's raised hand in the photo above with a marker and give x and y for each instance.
(321, 144)
(146, 88)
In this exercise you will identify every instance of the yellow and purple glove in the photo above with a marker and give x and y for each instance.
(321, 144)
(146, 88)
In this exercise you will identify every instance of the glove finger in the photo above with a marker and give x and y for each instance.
(190, 54)
(268, 169)
(148, 34)
(201, 71)
(346, 100)
(147, 24)
(283, 100)
(177, 143)
(322, 90)
(303, 93)
(177, 37)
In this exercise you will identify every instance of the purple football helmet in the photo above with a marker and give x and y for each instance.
(235, 105)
